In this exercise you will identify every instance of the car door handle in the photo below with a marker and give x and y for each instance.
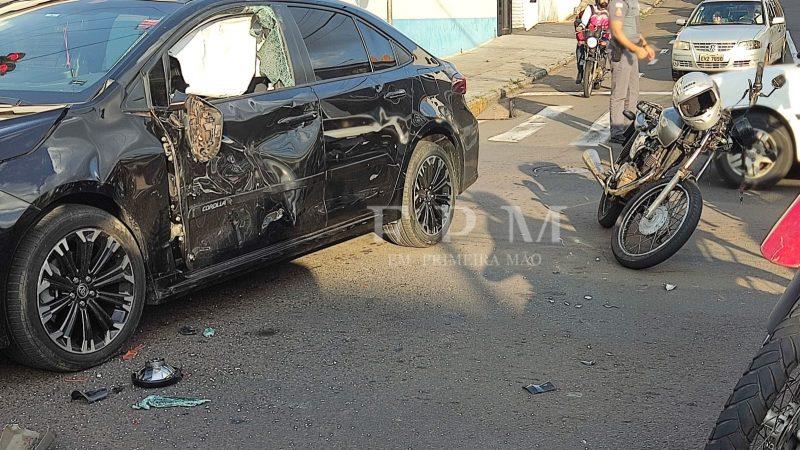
(394, 95)
(307, 117)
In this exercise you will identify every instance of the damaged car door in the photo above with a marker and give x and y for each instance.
(249, 164)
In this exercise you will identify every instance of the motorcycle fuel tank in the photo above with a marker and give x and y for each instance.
(670, 127)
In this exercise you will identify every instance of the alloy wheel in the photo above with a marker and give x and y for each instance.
(85, 291)
(433, 195)
(758, 160)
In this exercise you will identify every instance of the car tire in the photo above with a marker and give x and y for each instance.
(111, 303)
(424, 202)
(780, 135)
(608, 210)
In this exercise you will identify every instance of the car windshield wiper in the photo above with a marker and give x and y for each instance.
(12, 102)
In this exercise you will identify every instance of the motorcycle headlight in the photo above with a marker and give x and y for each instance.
(592, 42)
(681, 45)
(750, 45)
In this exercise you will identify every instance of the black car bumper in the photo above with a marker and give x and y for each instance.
(12, 211)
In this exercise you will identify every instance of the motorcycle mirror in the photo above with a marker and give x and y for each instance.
(779, 81)
(630, 115)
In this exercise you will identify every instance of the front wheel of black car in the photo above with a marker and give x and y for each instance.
(764, 409)
(429, 196)
(75, 290)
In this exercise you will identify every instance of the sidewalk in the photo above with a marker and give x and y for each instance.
(514, 62)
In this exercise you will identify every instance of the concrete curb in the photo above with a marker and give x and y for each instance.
(479, 104)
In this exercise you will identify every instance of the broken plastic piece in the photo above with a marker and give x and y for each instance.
(209, 332)
(540, 388)
(157, 401)
(588, 363)
(95, 395)
(156, 374)
(132, 353)
(670, 287)
(188, 330)
(15, 437)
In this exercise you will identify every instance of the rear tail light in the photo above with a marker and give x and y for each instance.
(782, 246)
(459, 84)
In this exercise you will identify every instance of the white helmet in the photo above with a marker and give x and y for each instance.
(696, 97)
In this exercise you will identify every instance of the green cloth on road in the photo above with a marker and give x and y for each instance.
(157, 401)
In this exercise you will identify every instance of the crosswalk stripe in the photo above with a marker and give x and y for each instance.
(597, 134)
(532, 125)
(580, 94)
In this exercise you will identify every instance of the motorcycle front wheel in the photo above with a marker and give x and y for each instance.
(588, 79)
(640, 243)
(764, 409)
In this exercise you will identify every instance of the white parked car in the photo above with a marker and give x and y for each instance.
(723, 35)
(776, 119)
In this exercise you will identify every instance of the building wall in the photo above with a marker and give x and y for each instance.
(443, 27)
(526, 14)
(557, 10)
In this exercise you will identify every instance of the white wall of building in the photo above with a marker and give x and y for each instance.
(557, 10)
(525, 13)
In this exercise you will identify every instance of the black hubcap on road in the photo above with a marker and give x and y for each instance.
(433, 196)
(85, 291)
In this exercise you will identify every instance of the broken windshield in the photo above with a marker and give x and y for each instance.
(59, 51)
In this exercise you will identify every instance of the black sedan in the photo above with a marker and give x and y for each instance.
(148, 148)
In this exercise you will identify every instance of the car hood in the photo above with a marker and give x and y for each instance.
(21, 135)
(720, 33)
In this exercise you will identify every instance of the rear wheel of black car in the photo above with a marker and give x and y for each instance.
(429, 196)
(767, 163)
(75, 290)
(764, 409)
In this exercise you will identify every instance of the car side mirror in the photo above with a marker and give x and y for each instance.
(203, 128)
(779, 81)
(681, 22)
(779, 20)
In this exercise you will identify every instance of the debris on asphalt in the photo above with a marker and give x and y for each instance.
(156, 374)
(587, 297)
(268, 332)
(578, 306)
(15, 437)
(670, 287)
(77, 379)
(610, 306)
(551, 301)
(157, 401)
(566, 303)
(574, 394)
(540, 388)
(92, 396)
(188, 330)
(588, 363)
(209, 332)
(133, 353)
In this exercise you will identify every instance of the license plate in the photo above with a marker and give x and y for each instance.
(712, 58)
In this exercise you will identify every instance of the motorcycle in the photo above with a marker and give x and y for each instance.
(595, 63)
(764, 409)
(650, 193)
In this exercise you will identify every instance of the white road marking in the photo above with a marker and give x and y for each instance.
(598, 133)
(580, 94)
(532, 125)
(792, 47)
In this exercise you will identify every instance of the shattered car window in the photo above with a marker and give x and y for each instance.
(273, 58)
(58, 52)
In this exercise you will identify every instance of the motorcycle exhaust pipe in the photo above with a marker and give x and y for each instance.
(592, 161)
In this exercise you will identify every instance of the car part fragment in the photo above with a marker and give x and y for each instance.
(156, 374)
(91, 396)
(203, 128)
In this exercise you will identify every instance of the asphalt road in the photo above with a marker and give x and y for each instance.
(792, 10)
(366, 344)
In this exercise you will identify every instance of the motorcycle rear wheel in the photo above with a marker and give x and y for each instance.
(765, 396)
(667, 232)
(609, 210)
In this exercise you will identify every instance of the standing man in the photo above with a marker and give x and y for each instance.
(625, 56)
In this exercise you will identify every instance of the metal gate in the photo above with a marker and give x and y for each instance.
(504, 17)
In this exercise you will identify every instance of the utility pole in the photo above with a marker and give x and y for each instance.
(389, 13)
